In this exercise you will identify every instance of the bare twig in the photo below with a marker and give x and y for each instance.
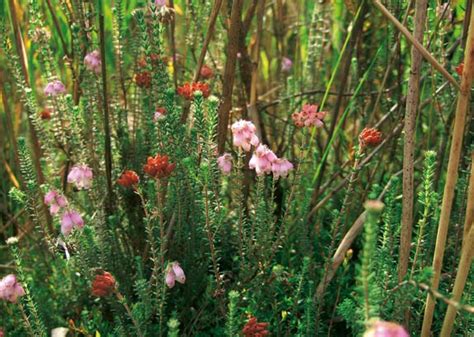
(452, 173)
(425, 53)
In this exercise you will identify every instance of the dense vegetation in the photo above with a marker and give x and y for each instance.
(236, 168)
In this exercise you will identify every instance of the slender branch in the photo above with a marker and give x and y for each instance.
(412, 102)
(451, 174)
(411, 39)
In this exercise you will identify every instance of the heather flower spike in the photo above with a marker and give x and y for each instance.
(81, 176)
(370, 137)
(286, 64)
(174, 273)
(158, 167)
(160, 113)
(262, 160)
(225, 163)
(93, 62)
(253, 328)
(281, 167)
(128, 178)
(55, 201)
(10, 289)
(243, 133)
(69, 220)
(54, 88)
(103, 284)
(309, 116)
(385, 329)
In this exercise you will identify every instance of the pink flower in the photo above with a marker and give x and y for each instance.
(80, 176)
(262, 160)
(54, 88)
(10, 289)
(386, 329)
(55, 201)
(286, 64)
(225, 163)
(160, 3)
(70, 220)
(93, 62)
(244, 136)
(174, 273)
(309, 116)
(160, 113)
(281, 167)
(2, 333)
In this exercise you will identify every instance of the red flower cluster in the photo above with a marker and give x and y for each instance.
(370, 137)
(158, 166)
(143, 79)
(155, 60)
(206, 72)
(460, 68)
(255, 329)
(103, 284)
(128, 179)
(45, 114)
(188, 89)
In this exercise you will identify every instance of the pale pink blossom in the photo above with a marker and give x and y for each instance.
(160, 3)
(70, 220)
(225, 163)
(54, 88)
(93, 62)
(286, 64)
(55, 201)
(309, 116)
(10, 289)
(80, 176)
(174, 273)
(262, 160)
(244, 136)
(385, 329)
(281, 167)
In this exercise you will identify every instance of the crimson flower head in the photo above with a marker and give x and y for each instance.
(128, 179)
(370, 137)
(45, 114)
(187, 90)
(206, 72)
(255, 329)
(103, 284)
(158, 166)
(143, 79)
(460, 68)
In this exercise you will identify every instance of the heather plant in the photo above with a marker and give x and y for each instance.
(236, 168)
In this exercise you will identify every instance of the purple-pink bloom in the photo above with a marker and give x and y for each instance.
(386, 329)
(225, 163)
(55, 201)
(262, 160)
(80, 176)
(244, 136)
(93, 62)
(286, 64)
(54, 88)
(70, 220)
(174, 273)
(160, 3)
(309, 116)
(10, 289)
(281, 167)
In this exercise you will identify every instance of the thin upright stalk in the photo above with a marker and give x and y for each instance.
(108, 146)
(467, 253)
(452, 173)
(413, 100)
(229, 73)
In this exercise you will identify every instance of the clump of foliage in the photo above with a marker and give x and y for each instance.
(234, 168)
